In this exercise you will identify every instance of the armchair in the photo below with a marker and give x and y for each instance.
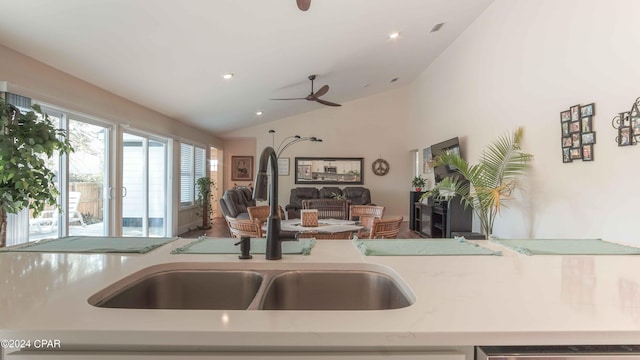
(234, 203)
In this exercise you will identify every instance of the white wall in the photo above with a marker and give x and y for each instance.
(371, 127)
(520, 64)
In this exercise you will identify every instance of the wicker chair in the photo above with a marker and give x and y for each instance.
(244, 227)
(365, 215)
(343, 235)
(262, 212)
(386, 228)
(328, 208)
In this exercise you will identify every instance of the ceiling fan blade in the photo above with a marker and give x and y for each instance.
(323, 90)
(290, 99)
(328, 103)
(304, 4)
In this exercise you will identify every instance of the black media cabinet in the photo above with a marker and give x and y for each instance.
(438, 219)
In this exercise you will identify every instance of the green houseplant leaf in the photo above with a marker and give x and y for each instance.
(487, 185)
(27, 140)
(418, 182)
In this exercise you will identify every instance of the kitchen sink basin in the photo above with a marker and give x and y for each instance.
(211, 286)
(185, 289)
(333, 290)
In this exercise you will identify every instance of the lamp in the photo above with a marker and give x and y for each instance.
(290, 140)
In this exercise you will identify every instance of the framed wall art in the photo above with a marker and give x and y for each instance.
(566, 155)
(334, 171)
(587, 152)
(635, 126)
(628, 125)
(577, 134)
(586, 124)
(575, 112)
(586, 110)
(624, 136)
(575, 153)
(588, 138)
(242, 168)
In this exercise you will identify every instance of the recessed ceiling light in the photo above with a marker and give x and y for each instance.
(227, 76)
(394, 35)
(259, 113)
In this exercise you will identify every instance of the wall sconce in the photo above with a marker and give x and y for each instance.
(628, 125)
(290, 140)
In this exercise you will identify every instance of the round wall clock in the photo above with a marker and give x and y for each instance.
(380, 167)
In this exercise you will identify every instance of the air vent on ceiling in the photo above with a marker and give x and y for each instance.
(437, 27)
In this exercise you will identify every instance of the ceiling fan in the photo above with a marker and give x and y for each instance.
(304, 4)
(315, 96)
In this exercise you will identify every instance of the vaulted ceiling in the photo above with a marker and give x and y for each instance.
(171, 55)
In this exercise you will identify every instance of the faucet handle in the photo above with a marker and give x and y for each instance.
(245, 248)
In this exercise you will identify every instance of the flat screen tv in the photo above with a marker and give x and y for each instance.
(451, 145)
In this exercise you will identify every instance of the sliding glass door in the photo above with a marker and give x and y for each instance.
(144, 185)
(81, 178)
(87, 212)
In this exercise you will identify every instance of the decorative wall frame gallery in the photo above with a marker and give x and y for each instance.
(628, 125)
(577, 135)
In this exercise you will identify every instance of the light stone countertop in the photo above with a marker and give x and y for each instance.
(512, 299)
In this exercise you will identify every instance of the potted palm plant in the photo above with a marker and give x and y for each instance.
(487, 185)
(418, 183)
(27, 140)
(204, 200)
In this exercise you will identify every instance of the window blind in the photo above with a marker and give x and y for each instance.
(186, 175)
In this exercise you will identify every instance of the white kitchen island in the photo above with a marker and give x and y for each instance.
(460, 302)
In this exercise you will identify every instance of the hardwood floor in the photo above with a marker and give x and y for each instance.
(219, 230)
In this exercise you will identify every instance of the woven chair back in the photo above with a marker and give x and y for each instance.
(244, 227)
(328, 208)
(386, 228)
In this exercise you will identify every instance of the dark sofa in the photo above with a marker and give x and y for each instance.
(355, 195)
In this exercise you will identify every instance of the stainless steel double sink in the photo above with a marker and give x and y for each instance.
(258, 286)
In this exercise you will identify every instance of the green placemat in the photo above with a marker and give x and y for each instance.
(567, 247)
(207, 245)
(421, 247)
(93, 244)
